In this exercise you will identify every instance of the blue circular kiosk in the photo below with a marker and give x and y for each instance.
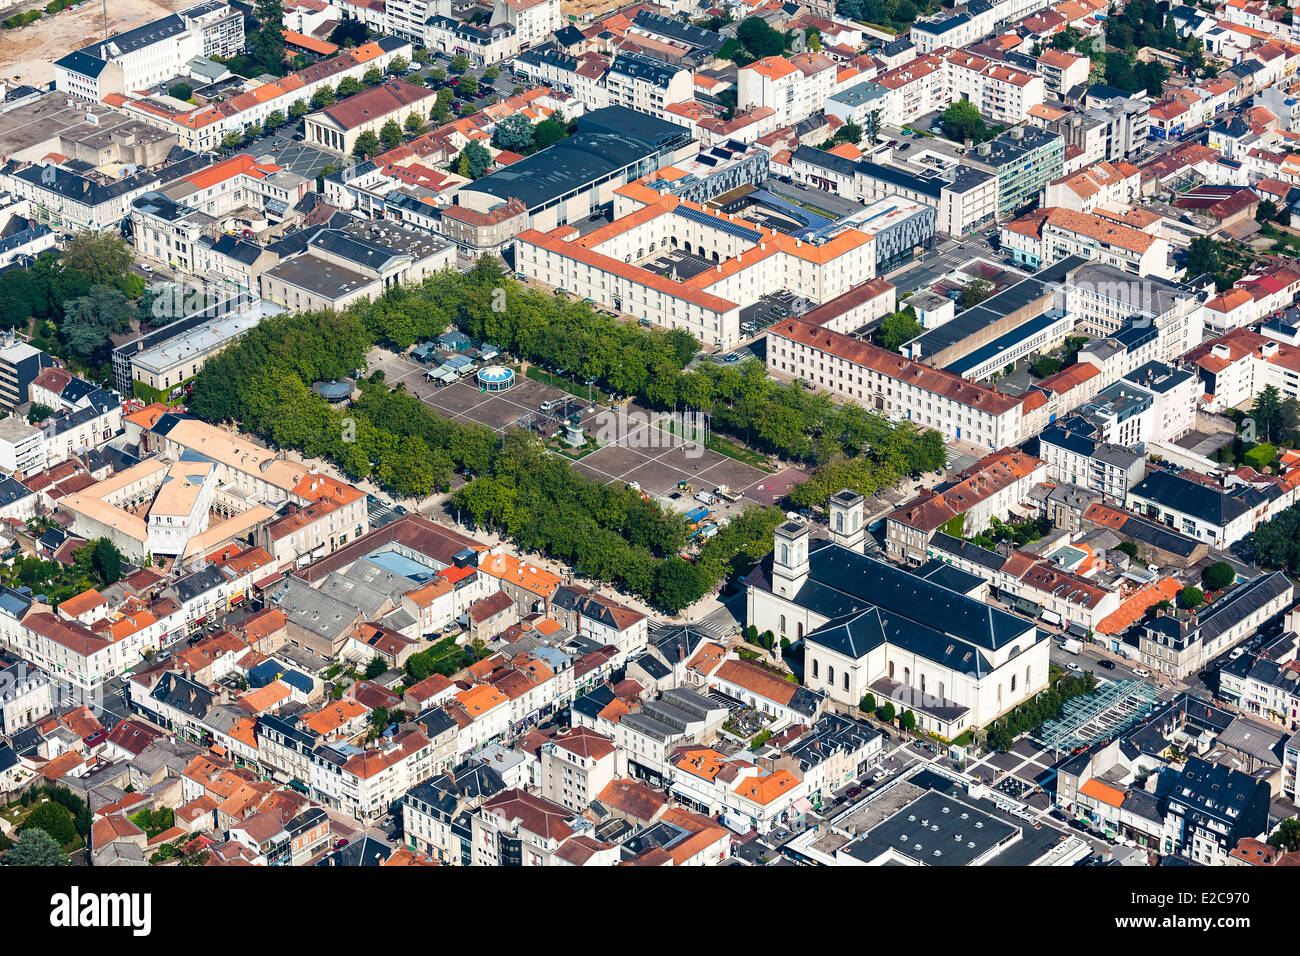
(338, 390)
(496, 378)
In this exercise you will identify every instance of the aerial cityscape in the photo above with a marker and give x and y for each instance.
(556, 433)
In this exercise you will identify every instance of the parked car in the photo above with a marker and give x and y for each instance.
(1073, 666)
(1108, 665)
(1141, 672)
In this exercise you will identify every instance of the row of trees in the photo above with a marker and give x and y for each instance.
(788, 421)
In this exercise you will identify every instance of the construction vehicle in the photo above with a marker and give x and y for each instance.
(685, 486)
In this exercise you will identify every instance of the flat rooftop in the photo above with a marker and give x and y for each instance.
(205, 339)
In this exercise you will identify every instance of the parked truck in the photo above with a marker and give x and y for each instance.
(1071, 646)
(696, 515)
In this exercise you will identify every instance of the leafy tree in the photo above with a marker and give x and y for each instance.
(390, 134)
(55, 820)
(349, 86)
(349, 33)
(1191, 597)
(469, 84)
(180, 91)
(106, 561)
(759, 39)
(414, 125)
(474, 160)
(962, 121)
(491, 73)
(35, 847)
(96, 258)
(898, 328)
(850, 133)
(299, 108)
(1129, 548)
(38, 413)
(367, 145)
(907, 720)
(376, 667)
(436, 75)
(1045, 366)
(266, 45)
(548, 132)
(459, 63)
(975, 292)
(274, 120)
(323, 97)
(888, 713)
(514, 133)
(398, 65)
(1218, 576)
(1287, 836)
(1202, 257)
(89, 320)
(867, 704)
(1266, 415)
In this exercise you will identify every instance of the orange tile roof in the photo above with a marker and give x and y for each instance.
(764, 790)
(1102, 791)
(335, 715)
(1136, 607)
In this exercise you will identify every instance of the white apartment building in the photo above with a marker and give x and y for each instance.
(1101, 184)
(1001, 93)
(795, 87)
(900, 388)
(646, 85)
(151, 54)
(534, 20)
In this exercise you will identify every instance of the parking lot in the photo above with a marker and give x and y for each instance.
(639, 448)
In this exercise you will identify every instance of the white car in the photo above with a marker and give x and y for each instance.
(1072, 666)
(1141, 672)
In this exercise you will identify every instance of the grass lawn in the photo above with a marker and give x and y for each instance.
(724, 446)
(568, 385)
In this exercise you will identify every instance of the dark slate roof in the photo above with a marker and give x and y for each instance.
(1221, 793)
(964, 549)
(592, 703)
(832, 733)
(205, 579)
(944, 574)
(1211, 505)
(187, 696)
(856, 635)
(651, 665)
(83, 63)
(569, 35)
(436, 722)
(363, 852)
(1241, 602)
(842, 582)
(820, 157)
(477, 779)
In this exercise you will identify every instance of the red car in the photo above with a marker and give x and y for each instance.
(340, 844)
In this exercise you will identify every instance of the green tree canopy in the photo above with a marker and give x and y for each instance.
(266, 45)
(35, 847)
(1218, 576)
(55, 820)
